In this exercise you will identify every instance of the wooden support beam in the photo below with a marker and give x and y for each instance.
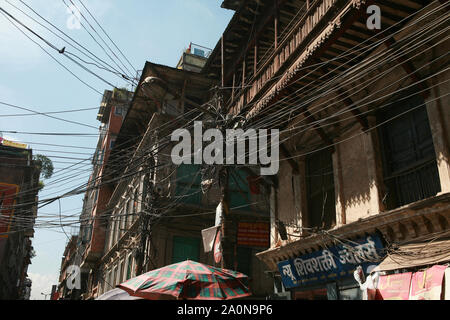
(356, 36)
(156, 73)
(255, 58)
(349, 103)
(337, 35)
(243, 74)
(233, 89)
(394, 12)
(232, 44)
(247, 42)
(222, 61)
(409, 69)
(354, 110)
(254, 12)
(309, 118)
(266, 44)
(183, 96)
(245, 20)
(237, 34)
(292, 163)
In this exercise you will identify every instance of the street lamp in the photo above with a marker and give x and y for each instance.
(45, 295)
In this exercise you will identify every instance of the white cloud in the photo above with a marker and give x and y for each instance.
(41, 284)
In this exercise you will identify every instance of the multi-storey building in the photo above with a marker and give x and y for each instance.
(194, 58)
(19, 186)
(90, 242)
(63, 291)
(364, 120)
(159, 209)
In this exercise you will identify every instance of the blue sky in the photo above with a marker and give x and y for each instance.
(145, 30)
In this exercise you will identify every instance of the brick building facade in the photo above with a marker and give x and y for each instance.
(19, 186)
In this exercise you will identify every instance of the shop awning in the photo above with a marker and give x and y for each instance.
(426, 252)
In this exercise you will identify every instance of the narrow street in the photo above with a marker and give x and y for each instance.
(245, 150)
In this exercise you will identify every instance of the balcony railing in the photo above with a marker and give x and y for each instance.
(298, 30)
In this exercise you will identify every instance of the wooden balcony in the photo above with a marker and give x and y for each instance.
(297, 33)
(268, 43)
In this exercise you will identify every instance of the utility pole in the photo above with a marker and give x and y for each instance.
(146, 216)
(227, 242)
(225, 221)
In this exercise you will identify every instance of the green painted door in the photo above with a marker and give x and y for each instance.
(239, 190)
(185, 248)
(188, 183)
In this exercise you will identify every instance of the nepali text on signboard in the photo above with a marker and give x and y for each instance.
(253, 234)
(331, 264)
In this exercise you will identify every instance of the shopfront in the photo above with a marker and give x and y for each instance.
(416, 270)
(328, 274)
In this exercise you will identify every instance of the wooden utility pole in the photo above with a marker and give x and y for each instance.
(227, 242)
(222, 61)
(146, 217)
(225, 225)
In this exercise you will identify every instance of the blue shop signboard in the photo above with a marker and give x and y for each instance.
(331, 264)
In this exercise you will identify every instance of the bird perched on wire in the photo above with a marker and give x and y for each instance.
(62, 50)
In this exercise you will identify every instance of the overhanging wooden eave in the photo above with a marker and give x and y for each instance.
(434, 211)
